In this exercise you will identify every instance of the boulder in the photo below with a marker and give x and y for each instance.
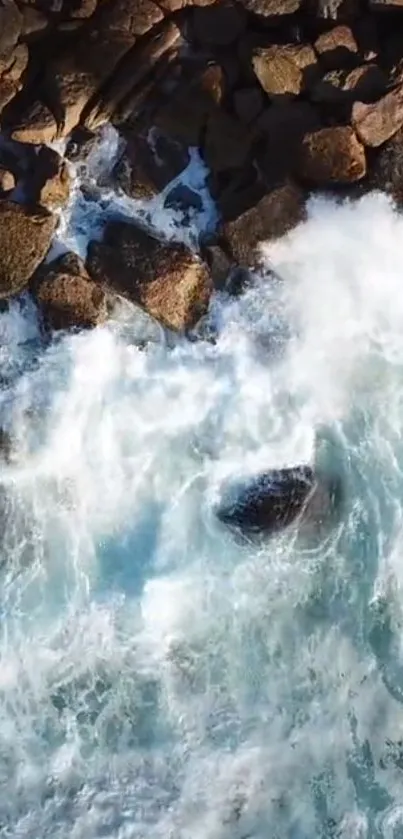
(51, 181)
(377, 122)
(277, 71)
(34, 22)
(248, 103)
(25, 237)
(365, 83)
(67, 297)
(332, 155)
(337, 48)
(278, 498)
(10, 28)
(7, 180)
(11, 73)
(218, 25)
(282, 128)
(273, 216)
(272, 8)
(167, 280)
(387, 169)
(37, 125)
(185, 113)
(227, 142)
(82, 8)
(145, 168)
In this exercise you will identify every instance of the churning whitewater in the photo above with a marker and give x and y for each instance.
(158, 676)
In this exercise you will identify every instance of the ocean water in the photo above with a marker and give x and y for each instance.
(160, 678)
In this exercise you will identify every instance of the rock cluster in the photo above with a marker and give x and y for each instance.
(282, 97)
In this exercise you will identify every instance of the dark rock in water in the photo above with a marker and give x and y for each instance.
(277, 498)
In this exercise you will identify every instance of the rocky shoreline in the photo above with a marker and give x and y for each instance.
(281, 97)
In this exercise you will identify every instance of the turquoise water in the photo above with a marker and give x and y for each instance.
(159, 678)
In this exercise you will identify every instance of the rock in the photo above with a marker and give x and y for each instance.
(219, 264)
(277, 71)
(7, 180)
(218, 25)
(336, 9)
(10, 28)
(385, 5)
(80, 144)
(51, 180)
(34, 22)
(11, 72)
(275, 214)
(186, 112)
(377, 122)
(67, 297)
(175, 5)
(387, 169)
(365, 83)
(82, 8)
(248, 103)
(25, 237)
(227, 142)
(181, 197)
(272, 8)
(236, 191)
(282, 128)
(37, 125)
(278, 498)
(332, 155)
(145, 169)
(337, 48)
(167, 280)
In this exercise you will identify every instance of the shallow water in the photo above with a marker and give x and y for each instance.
(158, 677)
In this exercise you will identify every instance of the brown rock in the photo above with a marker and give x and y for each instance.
(11, 71)
(10, 28)
(219, 265)
(272, 8)
(387, 169)
(375, 123)
(67, 297)
(227, 142)
(218, 25)
(7, 180)
(332, 155)
(33, 23)
(167, 280)
(337, 48)
(144, 170)
(175, 5)
(38, 125)
(51, 183)
(342, 87)
(248, 103)
(385, 5)
(82, 8)
(278, 71)
(25, 237)
(275, 214)
(282, 128)
(185, 114)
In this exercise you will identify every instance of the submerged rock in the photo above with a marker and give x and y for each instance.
(275, 499)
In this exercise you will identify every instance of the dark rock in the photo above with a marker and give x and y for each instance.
(82, 8)
(36, 126)
(80, 144)
(34, 22)
(366, 35)
(337, 48)
(25, 237)
(248, 103)
(218, 25)
(385, 5)
(276, 499)
(67, 297)
(12, 71)
(219, 264)
(7, 180)
(282, 128)
(183, 198)
(387, 169)
(144, 170)
(341, 87)
(167, 280)
(184, 116)
(332, 155)
(375, 123)
(10, 28)
(50, 184)
(227, 142)
(275, 214)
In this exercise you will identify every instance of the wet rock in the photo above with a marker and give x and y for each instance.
(167, 280)
(67, 297)
(387, 169)
(10, 28)
(272, 8)
(25, 237)
(337, 48)
(332, 155)
(248, 103)
(36, 126)
(80, 144)
(377, 122)
(185, 114)
(7, 180)
(277, 71)
(218, 25)
(275, 214)
(219, 264)
(147, 166)
(282, 129)
(51, 180)
(276, 499)
(227, 142)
